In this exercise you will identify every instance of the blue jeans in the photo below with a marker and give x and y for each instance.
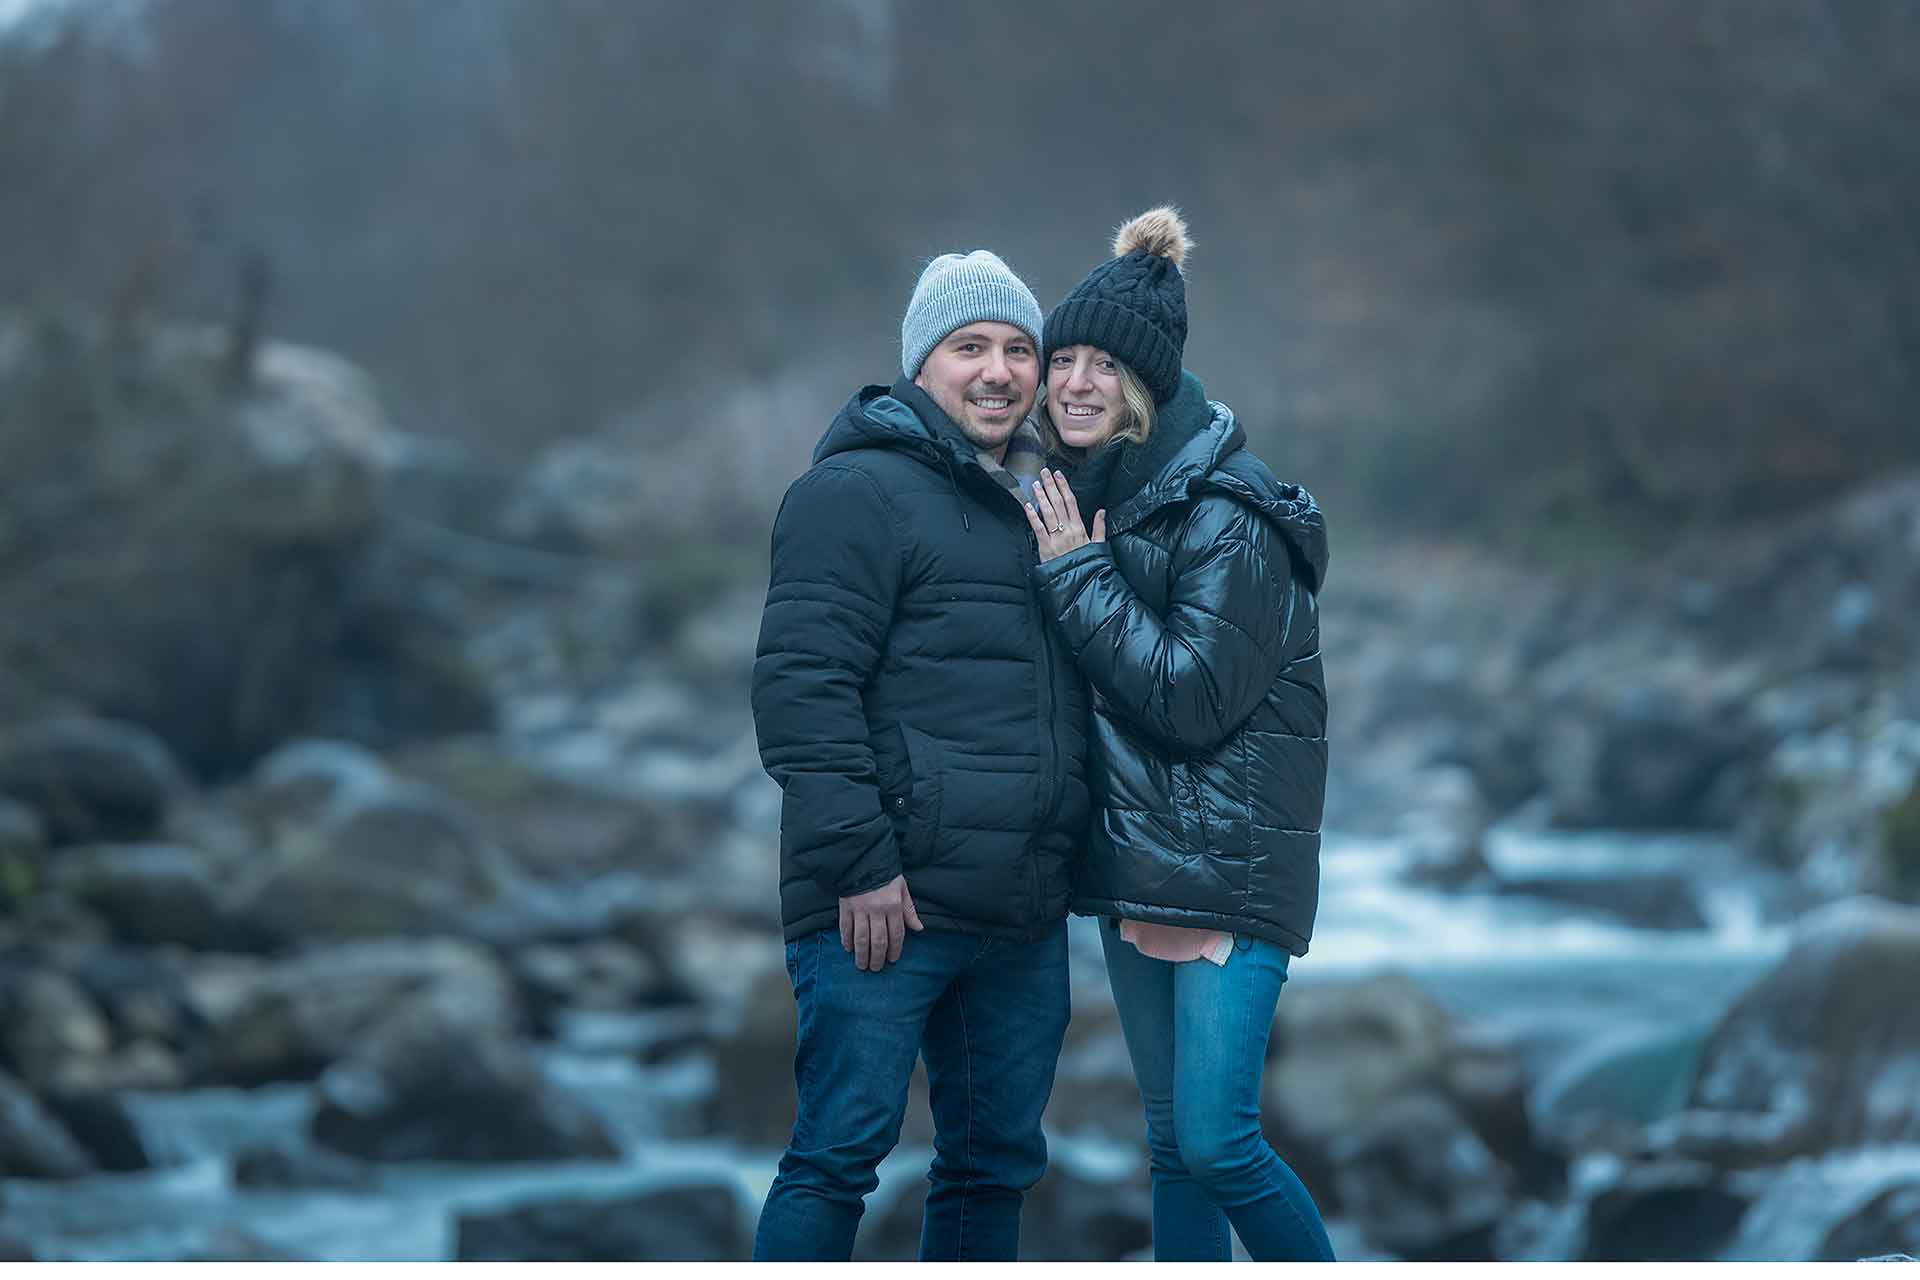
(1197, 1034)
(989, 1016)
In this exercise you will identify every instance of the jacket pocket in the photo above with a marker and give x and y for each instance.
(913, 801)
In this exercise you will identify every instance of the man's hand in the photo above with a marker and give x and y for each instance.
(874, 924)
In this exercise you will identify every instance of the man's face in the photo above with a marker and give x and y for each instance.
(985, 377)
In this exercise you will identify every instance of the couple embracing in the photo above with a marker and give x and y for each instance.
(1041, 636)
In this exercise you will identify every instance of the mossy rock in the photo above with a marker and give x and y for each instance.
(1900, 845)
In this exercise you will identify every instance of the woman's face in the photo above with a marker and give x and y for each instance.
(1084, 397)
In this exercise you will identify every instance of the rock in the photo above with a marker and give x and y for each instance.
(101, 1123)
(1488, 1085)
(1444, 830)
(237, 1244)
(429, 1083)
(1421, 1183)
(1650, 765)
(33, 1144)
(601, 975)
(49, 921)
(241, 583)
(1887, 1224)
(23, 838)
(290, 1021)
(149, 893)
(1727, 1139)
(23, 845)
(1092, 1205)
(890, 1228)
(90, 779)
(1647, 899)
(403, 860)
(302, 782)
(142, 992)
(1094, 1092)
(1633, 1080)
(556, 826)
(1666, 1211)
(1840, 806)
(52, 1031)
(701, 1222)
(1803, 1208)
(1340, 1052)
(754, 1057)
(1826, 1045)
(290, 1167)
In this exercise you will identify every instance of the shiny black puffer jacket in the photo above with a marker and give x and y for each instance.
(913, 704)
(1197, 625)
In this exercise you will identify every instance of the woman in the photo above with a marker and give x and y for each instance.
(1191, 608)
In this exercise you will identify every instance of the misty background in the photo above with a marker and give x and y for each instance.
(395, 396)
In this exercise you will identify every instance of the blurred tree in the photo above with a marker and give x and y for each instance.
(1484, 265)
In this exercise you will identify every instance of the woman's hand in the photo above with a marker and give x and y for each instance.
(1055, 517)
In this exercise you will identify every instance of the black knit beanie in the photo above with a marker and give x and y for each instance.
(1133, 307)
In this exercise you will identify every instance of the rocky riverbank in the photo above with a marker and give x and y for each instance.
(404, 827)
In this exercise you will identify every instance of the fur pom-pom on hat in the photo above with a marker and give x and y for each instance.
(1133, 306)
(1161, 232)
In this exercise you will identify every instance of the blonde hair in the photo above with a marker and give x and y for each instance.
(1135, 428)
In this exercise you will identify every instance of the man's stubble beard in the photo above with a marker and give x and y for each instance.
(962, 415)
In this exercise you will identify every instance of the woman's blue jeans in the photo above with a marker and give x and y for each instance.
(1197, 1034)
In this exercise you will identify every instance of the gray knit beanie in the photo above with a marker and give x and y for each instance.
(960, 289)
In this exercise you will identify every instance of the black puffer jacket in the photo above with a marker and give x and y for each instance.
(915, 708)
(1197, 625)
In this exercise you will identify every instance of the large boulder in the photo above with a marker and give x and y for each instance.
(559, 826)
(1421, 1183)
(1889, 1223)
(1444, 828)
(1652, 761)
(237, 583)
(1619, 1083)
(293, 1019)
(1092, 1205)
(289, 1166)
(151, 894)
(1340, 1052)
(1662, 1211)
(1840, 805)
(429, 1082)
(33, 1144)
(103, 1124)
(53, 1033)
(23, 838)
(90, 778)
(697, 1222)
(229, 1243)
(1824, 1051)
(401, 859)
(1645, 898)
(753, 1059)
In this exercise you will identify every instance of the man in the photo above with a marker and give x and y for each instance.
(928, 733)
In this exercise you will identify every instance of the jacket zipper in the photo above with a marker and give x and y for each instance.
(1048, 717)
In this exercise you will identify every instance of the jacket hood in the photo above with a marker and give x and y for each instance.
(1199, 447)
(898, 417)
